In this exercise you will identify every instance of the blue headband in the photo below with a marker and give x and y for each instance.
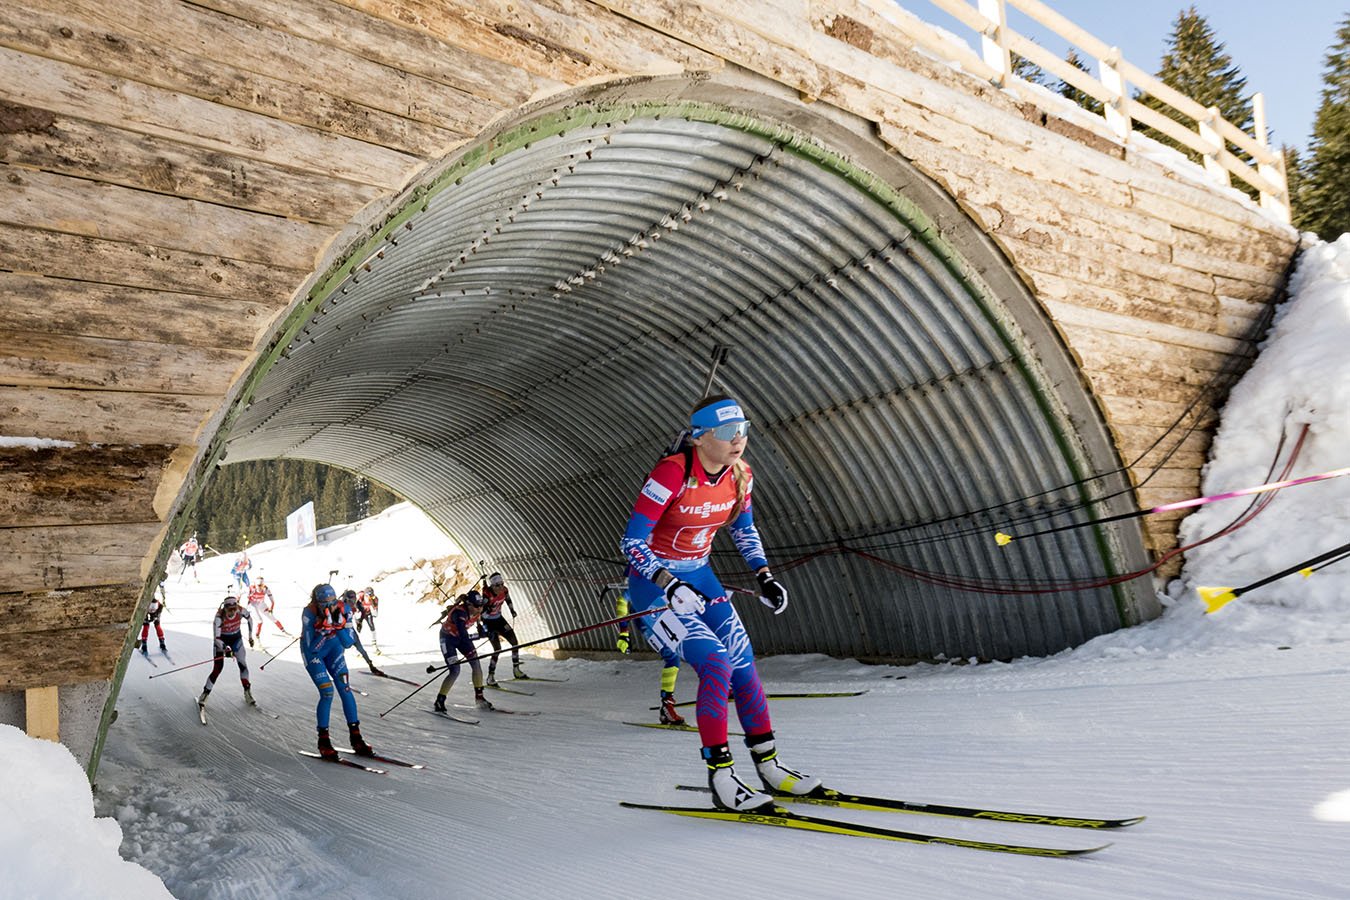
(720, 413)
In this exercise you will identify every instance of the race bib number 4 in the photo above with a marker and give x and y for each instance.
(667, 632)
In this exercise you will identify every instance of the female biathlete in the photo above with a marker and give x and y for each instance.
(324, 636)
(460, 624)
(688, 496)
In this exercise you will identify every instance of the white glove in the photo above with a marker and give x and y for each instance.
(684, 600)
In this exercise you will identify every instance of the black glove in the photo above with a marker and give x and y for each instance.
(771, 593)
(482, 632)
(684, 599)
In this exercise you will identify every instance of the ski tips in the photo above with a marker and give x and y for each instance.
(1216, 598)
(1002, 539)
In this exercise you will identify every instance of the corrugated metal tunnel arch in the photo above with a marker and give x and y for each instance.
(518, 342)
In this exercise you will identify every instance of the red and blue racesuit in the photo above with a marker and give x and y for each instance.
(324, 637)
(676, 516)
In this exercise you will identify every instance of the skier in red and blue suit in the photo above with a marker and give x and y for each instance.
(460, 624)
(686, 499)
(324, 638)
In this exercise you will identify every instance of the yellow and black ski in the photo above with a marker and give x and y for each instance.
(823, 796)
(782, 818)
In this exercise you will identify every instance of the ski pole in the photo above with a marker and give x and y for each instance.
(1003, 539)
(1217, 598)
(188, 666)
(563, 634)
(436, 670)
(278, 653)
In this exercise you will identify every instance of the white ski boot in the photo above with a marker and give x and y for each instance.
(728, 791)
(778, 778)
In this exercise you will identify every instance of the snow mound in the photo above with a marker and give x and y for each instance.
(78, 855)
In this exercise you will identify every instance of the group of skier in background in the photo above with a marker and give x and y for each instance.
(699, 487)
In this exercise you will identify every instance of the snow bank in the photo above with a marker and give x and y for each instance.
(1302, 377)
(51, 845)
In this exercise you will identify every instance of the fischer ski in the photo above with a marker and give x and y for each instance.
(380, 757)
(823, 796)
(343, 761)
(503, 688)
(782, 818)
(498, 709)
(665, 727)
(453, 718)
(809, 696)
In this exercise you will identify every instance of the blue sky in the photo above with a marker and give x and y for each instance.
(1279, 47)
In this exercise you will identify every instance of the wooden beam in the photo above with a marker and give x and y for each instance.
(76, 205)
(55, 142)
(62, 556)
(98, 417)
(87, 484)
(72, 656)
(61, 306)
(199, 53)
(100, 97)
(41, 359)
(84, 607)
(42, 713)
(137, 264)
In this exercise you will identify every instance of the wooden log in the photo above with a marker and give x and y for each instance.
(104, 417)
(42, 200)
(60, 306)
(1190, 309)
(68, 569)
(394, 44)
(71, 656)
(468, 32)
(1109, 352)
(585, 30)
(85, 607)
(200, 53)
(1132, 383)
(142, 265)
(1147, 411)
(60, 485)
(58, 542)
(42, 139)
(42, 713)
(1071, 318)
(38, 359)
(99, 97)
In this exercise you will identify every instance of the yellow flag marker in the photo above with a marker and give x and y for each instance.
(1216, 598)
(1306, 573)
(1002, 539)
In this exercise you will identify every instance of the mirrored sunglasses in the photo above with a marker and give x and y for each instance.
(727, 432)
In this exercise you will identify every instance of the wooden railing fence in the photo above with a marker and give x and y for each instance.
(1212, 137)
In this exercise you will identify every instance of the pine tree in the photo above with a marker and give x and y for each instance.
(1295, 170)
(1087, 101)
(254, 498)
(1025, 69)
(1324, 196)
(1197, 67)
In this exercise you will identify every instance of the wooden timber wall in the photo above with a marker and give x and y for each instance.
(175, 172)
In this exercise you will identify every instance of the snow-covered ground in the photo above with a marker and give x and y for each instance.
(1229, 731)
